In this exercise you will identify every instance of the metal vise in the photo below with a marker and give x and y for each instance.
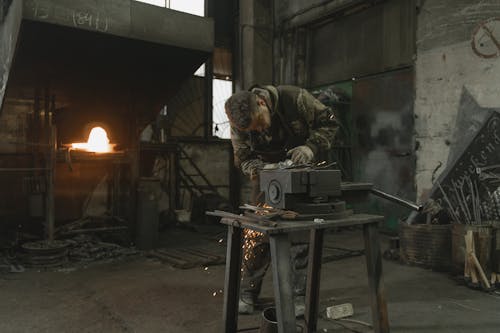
(288, 188)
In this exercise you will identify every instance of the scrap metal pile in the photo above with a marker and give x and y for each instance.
(474, 201)
(71, 252)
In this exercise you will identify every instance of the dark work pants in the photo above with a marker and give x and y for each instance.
(256, 261)
(257, 256)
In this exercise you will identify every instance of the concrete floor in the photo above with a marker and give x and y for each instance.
(145, 295)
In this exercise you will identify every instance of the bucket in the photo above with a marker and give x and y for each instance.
(426, 245)
(269, 323)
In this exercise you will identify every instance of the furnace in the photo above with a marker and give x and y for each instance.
(85, 79)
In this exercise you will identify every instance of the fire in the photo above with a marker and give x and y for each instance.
(98, 142)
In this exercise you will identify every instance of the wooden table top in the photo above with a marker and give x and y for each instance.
(287, 226)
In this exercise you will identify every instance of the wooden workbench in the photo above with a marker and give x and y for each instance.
(280, 258)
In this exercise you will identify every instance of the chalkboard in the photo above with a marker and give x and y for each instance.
(483, 150)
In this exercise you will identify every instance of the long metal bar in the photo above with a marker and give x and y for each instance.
(49, 195)
(452, 210)
(313, 279)
(22, 169)
(375, 281)
(232, 279)
(282, 282)
(403, 202)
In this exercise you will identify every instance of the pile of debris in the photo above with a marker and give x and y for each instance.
(87, 248)
(82, 248)
(45, 254)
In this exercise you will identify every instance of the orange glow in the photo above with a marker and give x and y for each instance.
(98, 142)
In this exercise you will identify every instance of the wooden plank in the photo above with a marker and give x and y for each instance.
(232, 279)
(376, 284)
(313, 279)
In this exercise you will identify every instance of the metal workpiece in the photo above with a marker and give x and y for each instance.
(398, 200)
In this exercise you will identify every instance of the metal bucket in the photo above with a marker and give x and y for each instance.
(269, 323)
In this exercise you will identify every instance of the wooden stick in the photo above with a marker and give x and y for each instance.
(468, 243)
(473, 273)
(466, 268)
(480, 270)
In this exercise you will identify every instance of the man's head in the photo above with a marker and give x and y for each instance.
(248, 112)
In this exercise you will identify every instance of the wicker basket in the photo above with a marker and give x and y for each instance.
(426, 245)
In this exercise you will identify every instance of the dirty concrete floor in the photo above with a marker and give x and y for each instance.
(145, 295)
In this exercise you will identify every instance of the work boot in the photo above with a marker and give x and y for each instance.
(300, 306)
(246, 304)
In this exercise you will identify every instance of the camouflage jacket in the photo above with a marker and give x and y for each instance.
(297, 118)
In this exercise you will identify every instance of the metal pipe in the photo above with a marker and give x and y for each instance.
(50, 175)
(22, 169)
(397, 200)
(454, 215)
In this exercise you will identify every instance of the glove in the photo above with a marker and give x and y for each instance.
(251, 168)
(301, 155)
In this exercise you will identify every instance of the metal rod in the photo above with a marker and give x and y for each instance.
(22, 169)
(49, 195)
(449, 203)
(397, 200)
(478, 202)
(461, 204)
(466, 205)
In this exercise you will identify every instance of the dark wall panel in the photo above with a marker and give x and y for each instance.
(372, 41)
(383, 148)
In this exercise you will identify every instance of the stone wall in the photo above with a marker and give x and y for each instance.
(446, 65)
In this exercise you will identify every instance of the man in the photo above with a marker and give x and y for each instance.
(270, 124)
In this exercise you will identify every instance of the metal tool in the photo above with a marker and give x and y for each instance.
(271, 212)
(395, 199)
(252, 218)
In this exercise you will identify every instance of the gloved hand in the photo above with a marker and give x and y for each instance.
(251, 168)
(301, 155)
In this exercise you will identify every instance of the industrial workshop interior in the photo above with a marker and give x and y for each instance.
(250, 166)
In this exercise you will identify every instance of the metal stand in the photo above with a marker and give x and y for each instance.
(280, 257)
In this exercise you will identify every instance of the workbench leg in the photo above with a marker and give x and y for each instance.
(232, 279)
(282, 282)
(313, 279)
(376, 284)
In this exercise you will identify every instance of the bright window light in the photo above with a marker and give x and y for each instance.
(195, 7)
(200, 71)
(161, 3)
(222, 90)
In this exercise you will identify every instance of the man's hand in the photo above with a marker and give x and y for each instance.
(251, 168)
(301, 155)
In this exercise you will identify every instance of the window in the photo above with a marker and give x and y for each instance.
(161, 3)
(200, 71)
(195, 7)
(222, 89)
